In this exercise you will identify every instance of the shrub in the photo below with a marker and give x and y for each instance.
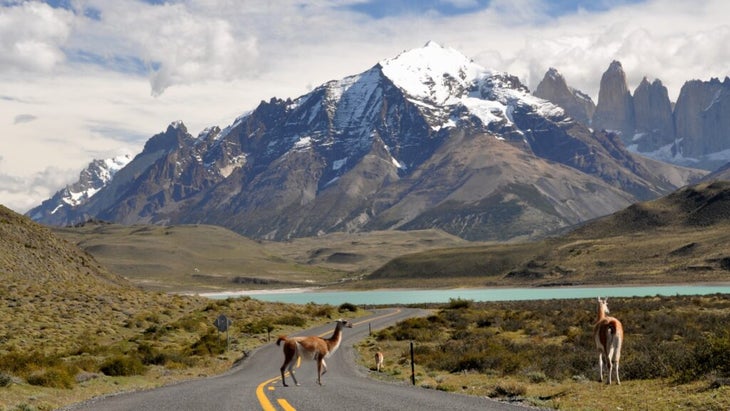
(123, 366)
(293, 320)
(209, 344)
(347, 307)
(260, 326)
(537, 377)
(191, 324)
(5, 380)
(509, 390)
(150, 355)
(320, 310)
(56, 377)
(459, 303)
(712, 355)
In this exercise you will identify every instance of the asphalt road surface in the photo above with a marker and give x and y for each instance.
(255, 384)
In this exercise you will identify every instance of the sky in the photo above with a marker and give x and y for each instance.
(93, 79)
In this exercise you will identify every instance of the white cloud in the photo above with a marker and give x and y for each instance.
(31, 37)
(177, 45)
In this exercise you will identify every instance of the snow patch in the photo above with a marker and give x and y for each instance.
(303, 143)
(433, 73)
(236, 162)
(338, 164)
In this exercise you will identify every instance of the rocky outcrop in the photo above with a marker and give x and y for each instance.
(615, 108)
(576, 104)
(653, 117)
(693, 132)
(702, 117)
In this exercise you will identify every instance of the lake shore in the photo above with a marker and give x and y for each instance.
(389, 296)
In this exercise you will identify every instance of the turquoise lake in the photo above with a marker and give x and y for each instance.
(388, 297)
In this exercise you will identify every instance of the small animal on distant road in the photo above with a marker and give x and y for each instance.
(378, 361)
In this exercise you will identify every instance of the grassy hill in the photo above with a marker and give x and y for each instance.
(683, 237)
(70, 329)
(190, 257)
(209, 258)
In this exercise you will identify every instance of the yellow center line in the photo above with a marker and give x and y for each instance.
(377, 318)
(263, 400)
(266, 405)
(285, 405)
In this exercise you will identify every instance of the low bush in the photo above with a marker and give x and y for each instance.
(55, 377)
(292, 319)
(509, 390)
(5, 379)
(123, 366)
(260, 326)
(209, 344)
(322, 311)
(459, 303)
(345, 307)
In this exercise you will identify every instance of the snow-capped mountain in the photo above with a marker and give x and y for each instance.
(425, 139)
(91, 179)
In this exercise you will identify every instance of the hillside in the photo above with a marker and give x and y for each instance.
(682, 237)
(51, 290)
(206, 258)
(71, 330)
(190, 257)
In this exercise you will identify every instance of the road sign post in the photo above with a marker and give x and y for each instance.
(222, 323)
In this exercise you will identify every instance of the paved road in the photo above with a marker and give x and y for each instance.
(255, 384)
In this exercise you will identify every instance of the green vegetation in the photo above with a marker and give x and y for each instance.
(539, 349)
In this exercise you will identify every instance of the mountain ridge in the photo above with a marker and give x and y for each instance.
(376, 151)
(689, 132)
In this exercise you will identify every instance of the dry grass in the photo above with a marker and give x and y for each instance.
(663, 255)
(675, 355)
(174, 344)
(70, 330)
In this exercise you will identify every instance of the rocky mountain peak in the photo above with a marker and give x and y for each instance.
(615, 110)
(702, 119)
(617, 68)
(576, 104)
(175, 136)
(654, 125)
(432, 73)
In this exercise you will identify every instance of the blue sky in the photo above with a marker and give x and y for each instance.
(90, 79)
(379, 9)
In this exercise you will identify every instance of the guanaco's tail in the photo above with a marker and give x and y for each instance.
(280, 339)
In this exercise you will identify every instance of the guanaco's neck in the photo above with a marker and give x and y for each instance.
(334, 341)
(601, 312)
